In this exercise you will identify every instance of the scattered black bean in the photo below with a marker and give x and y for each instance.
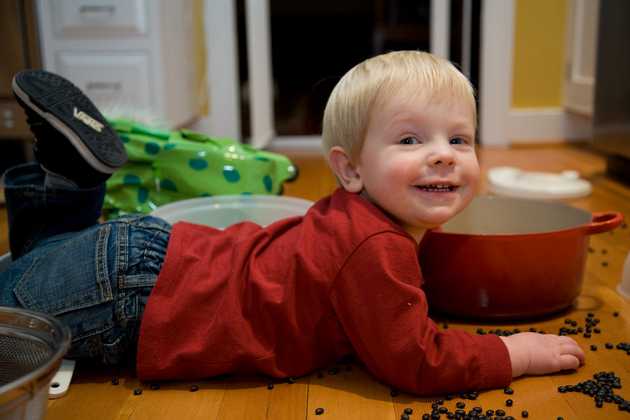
(509, 402)
(291, 380)
(604, 263)
(597, 330)
(194, 388)
(269, 386)
(460, 404)
(507, 390)
(524, 414)
(408, 411)
(154, 387)
(319, 411)
(615, 314)
(404, 417)
(115, 380)
(609, 346)
(137, 391)
(590, 315)
(604, 252)
(593, 347)
(499, 412)
(601, 389)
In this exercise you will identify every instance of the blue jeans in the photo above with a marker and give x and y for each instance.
(96, 278)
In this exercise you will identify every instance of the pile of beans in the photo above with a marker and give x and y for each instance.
(601, 389)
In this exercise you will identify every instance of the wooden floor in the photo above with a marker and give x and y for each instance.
(354, 394)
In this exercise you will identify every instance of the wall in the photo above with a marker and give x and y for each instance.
(539, 38)
(537, 113)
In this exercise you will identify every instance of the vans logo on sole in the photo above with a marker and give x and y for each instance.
(87, 120)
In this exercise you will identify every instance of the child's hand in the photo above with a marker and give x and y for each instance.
(537, 354)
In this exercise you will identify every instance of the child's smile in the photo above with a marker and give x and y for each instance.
(418, 161)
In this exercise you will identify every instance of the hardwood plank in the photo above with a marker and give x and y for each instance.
(175, 400)
(244, 399)
(350, 395)
(289, 401)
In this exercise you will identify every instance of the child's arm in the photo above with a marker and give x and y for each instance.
(537, 354)
(384, 314)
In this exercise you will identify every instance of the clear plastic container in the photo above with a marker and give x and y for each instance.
(223, 211)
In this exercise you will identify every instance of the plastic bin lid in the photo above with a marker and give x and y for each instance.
(514, 182)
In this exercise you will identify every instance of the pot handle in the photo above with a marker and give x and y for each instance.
(603, 222)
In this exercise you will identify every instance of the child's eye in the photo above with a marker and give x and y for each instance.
(409, 140)
(458, 140)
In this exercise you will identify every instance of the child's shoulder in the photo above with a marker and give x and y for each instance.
(351, 214)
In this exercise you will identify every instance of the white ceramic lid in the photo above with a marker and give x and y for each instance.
(514, 182)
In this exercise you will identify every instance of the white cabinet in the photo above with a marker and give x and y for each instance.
(126, 54)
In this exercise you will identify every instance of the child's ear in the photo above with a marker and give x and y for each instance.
(345, 170)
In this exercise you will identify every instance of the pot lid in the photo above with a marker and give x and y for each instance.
(514, 182)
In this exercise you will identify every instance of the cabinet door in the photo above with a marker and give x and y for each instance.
(111, 80)
(11, 33)
(88, 19)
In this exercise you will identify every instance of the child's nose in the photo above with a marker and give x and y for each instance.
(442, 155)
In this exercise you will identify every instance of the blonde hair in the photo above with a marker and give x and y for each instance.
(351, 102)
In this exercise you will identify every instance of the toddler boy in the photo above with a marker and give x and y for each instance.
(289, 298)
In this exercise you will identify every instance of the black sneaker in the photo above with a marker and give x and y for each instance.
(72, 138)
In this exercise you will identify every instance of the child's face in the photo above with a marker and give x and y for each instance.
(418, 160)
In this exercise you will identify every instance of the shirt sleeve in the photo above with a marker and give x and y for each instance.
(384, 312)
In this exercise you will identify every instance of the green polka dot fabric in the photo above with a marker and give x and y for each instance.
(167, 166)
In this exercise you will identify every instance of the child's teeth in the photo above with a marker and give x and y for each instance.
(436, 188)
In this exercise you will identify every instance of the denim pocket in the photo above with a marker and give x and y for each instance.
(69, 276)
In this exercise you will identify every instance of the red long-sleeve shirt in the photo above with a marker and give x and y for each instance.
(297, 295)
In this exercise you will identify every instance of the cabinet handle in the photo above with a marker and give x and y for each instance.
(88, 9)
(113, 86)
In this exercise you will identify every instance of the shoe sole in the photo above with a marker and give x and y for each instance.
(67, 109)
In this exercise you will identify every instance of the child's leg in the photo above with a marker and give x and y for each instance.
(77, 151)
(37, 212)
(94, 278)
(96, 281)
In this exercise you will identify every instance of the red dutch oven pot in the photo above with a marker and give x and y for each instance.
(507, 258)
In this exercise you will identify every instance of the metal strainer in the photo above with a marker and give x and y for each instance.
(31, 348)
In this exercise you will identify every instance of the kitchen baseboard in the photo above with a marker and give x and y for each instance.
(545, 125)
